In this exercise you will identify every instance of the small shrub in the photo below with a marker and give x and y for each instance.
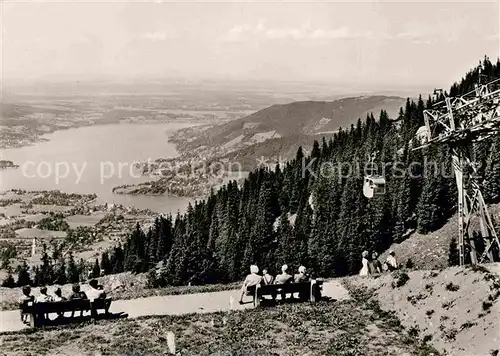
(452, 287)
(447, 305)
(444, 318)
(429, 288)
(467, 325)
(487, 306)
(494, 352)
(414, 331)
(434, 274)
(409, 264)
(427, 338)
(451, 334)
(429, 313)
(402, 279)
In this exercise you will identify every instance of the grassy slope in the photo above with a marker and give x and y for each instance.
(430, 251)
(326, 328)
(456, 309)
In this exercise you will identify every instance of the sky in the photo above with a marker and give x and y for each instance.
(366, 43)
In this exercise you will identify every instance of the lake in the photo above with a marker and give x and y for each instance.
(95, 159)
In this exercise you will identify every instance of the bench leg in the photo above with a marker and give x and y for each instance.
(256, 298)
(32, 320)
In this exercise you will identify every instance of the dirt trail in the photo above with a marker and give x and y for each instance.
(174, 305)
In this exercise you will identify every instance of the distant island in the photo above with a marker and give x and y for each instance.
(4, 164)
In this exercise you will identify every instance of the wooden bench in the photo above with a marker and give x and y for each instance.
(37, 311)
(310, 291)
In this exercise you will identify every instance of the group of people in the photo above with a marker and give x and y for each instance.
(254, 278)
(95, 291)
(372, 265)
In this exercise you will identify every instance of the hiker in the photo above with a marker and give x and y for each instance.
(301, 276)
(376, 265)
(252, 280)
(25, 300)
(266, 277)
(365, 269)
(391, 262)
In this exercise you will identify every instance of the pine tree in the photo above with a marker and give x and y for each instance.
(73, 276)
(23, 275)
(106, 267)
(9, 282)
(47, 269)
(60, 272)
(96, 270)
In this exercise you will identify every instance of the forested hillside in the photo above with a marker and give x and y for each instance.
(269, 220)
(217, 239)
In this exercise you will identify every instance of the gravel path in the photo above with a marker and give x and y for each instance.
(174, 305)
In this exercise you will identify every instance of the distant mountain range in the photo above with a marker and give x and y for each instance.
(280, 129)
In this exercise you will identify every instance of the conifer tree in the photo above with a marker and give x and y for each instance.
(23, 275)
(73, 276)
(96, 270)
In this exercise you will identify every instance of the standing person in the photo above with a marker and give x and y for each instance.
(266, 277)
(25, 300)
(392, 263)
(376, 265)
(252, 280)
(365, 269)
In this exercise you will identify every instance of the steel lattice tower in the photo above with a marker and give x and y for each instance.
(459, 122)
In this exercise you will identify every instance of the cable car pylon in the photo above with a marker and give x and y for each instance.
(459, 122)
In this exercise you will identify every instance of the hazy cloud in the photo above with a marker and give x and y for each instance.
(241, 33)
(156, 36)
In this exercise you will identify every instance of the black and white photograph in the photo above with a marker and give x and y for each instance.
(252, 177)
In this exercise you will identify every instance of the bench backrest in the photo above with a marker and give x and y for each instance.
(287, 287)
(62, 306)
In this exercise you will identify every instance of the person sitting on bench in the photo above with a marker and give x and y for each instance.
(76, 295)
(252, 280)
(267, 279)
(283, 278)
(59, 298)
(44, 298)
(25, 300)
(95, 293)
(301, 276)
